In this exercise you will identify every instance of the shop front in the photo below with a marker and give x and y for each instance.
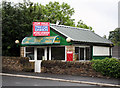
(59, 42)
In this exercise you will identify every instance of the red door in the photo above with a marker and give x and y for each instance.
(69, 56)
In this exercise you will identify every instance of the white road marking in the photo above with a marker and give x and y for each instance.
(62, 80)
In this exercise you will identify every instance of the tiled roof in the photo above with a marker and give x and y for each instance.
(79, 34)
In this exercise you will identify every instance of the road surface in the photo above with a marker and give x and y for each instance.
(20, 81)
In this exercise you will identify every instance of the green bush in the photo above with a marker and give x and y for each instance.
(108, 67)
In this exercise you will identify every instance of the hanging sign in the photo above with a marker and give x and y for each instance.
(41, 29)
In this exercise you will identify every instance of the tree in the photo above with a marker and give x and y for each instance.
(17, 21)
(105, 36)
(17, 24)
(83, 25)
(114, 36)
(54, 12)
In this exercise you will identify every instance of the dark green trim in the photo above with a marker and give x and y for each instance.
(39, 45)
(62, 39)
(92, 43)
(100, 57)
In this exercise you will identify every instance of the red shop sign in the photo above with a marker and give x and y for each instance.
(69, 56)
(41, 29)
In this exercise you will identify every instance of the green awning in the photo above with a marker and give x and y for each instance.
(41, 40)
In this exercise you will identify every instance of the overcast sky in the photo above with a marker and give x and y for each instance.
(102, 15)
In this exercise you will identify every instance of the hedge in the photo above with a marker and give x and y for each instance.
(108, 67)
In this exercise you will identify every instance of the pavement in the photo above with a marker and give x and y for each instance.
(69, 78)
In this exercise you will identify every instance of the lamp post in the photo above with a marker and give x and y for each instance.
(17, 42)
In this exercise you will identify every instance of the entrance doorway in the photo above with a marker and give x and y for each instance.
(40, 53)
(36, 55)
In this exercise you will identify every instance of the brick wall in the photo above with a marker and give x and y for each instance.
(16, 64)
(70, 68)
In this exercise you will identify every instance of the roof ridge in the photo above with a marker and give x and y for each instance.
(69, 27)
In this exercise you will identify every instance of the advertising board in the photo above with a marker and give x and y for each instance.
(41, 29)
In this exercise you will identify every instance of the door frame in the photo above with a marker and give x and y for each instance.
(38, 62)
(35, 52)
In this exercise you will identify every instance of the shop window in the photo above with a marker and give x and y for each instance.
(47, 53)
(58, 53)
(76, 53)
(88, 53)
(30, 53)
(40, 53)
(82, 53)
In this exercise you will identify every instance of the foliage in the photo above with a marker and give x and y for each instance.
(54, 12)
(17, 21)
(83, 25)
(114, 36)
(105, 36)
(108, 67)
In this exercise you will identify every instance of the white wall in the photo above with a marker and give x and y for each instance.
(101, 51)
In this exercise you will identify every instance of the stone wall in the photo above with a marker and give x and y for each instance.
(16, 64)
(22, 51)
(70, 68)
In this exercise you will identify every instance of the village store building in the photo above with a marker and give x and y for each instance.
(67, 44)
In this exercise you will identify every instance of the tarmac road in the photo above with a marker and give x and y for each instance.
(19, 81)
